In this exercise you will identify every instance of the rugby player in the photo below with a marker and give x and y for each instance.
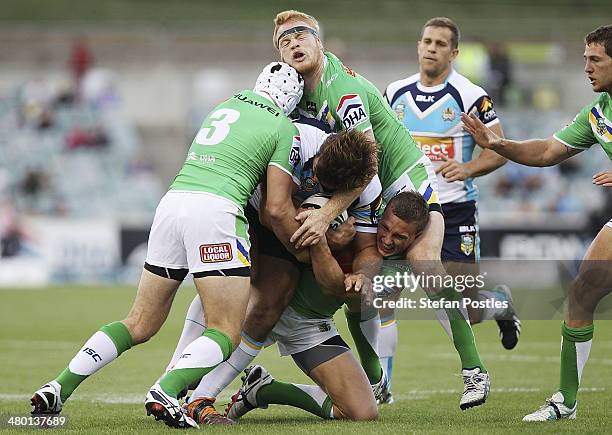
(429, 104)
(343, 161)
(335, 94)
(200, 228)
(306, 331)
(592, 125)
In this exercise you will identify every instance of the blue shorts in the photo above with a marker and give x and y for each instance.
(461, 238)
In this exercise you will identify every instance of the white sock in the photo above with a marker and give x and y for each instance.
(314, 391)
(221, 376)
(387, 338)
(193, 329)
(201, 353)
(98, 351)
(582, 355)
(387, 345)
(443, 319)
(371, 331)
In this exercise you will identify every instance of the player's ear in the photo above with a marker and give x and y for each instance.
(455, 53)
(320, 44)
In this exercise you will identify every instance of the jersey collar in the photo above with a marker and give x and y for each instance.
(436, 88)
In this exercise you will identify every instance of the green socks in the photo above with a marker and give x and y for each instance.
(457, 325)
(199, 358)
(364, 328)
(310, 398)
(575, 348)
(101, 348)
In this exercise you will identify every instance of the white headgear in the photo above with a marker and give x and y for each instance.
(283, 83)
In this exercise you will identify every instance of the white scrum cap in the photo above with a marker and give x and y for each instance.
(283, 83)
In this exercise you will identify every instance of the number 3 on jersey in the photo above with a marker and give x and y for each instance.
(219, 128)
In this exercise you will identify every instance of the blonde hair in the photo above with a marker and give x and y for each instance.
(282, 17)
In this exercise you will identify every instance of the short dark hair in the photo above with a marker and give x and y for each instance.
(410, 207)
(347, 160)
(602, 35)
(444, 22)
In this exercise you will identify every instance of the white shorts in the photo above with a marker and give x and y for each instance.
(609, 224)
(198, 231)
(295, 333)
(420, 177)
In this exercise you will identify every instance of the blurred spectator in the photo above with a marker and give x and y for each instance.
(11, 234)
(81, 60)
(36, 97)
(99, 88)
(499, 73)
(86, 138)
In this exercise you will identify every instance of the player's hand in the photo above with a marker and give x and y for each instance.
(314, 225)
(358, 285)
(480, 132)
(452, 170)
(603, 178)
(341, 236)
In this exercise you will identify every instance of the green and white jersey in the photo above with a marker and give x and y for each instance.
(310, 301)
(345, 100)
(592, 125)
(235, 144)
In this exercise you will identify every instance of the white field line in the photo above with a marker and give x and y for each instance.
(133, 398)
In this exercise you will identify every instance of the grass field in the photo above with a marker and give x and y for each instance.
(40, 330)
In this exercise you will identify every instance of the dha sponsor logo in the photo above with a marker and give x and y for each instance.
(294, 155)
(216, 253)
(436, 148)
(351, 110)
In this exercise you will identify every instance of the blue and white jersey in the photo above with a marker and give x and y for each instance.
(433, 117)
(313, 133)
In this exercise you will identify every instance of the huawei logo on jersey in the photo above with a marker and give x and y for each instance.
(436, 148)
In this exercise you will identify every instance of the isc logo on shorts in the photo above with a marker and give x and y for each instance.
(351, 110)
(216, 253)
(436, 148)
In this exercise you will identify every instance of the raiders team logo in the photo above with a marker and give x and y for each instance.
(349, 71)
(325, 116)
(467, 244)
(601, 126)
(351, 110)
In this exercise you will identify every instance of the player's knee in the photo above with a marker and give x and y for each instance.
(140, 331)
(363, 413)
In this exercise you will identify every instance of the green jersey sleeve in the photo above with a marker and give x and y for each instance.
(578, 134)
(287, 152)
